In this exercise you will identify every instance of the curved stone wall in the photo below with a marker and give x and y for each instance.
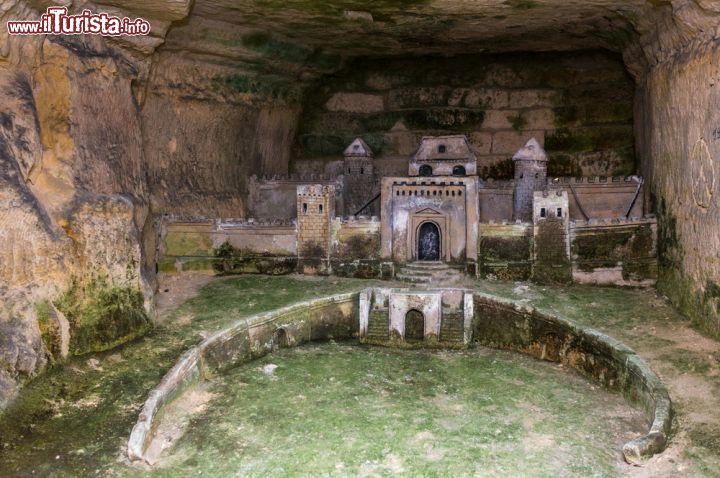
(508, 325)
(497, 323)
(247, 339)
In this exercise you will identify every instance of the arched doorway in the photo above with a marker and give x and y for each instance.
(425, 170)
(459, 171)
(280, 339)
(414, 325)
(428, 242)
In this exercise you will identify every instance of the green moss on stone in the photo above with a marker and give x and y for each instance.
(518, 122)
(48, 331)
(102, 314)
(265, 44)
(502, 170)
(563, 165)
(505, 248)
(230, 260)
(521, 4)
(272, 86)
(444, 119)
(196, 243)
(551, 266)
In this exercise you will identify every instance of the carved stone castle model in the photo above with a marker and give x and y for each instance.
(435, 224)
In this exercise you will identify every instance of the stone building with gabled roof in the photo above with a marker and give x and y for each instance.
(449, 155)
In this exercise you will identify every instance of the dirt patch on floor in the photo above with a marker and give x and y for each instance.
(176, 289)
(176, 418)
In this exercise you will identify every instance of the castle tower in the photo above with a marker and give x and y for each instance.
(530, 176)
(315, 208)
(551, 238)
(358, 177)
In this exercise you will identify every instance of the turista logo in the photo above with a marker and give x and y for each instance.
(56, 21)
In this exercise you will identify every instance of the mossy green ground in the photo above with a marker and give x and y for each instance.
(82, 411)
(343, 410)
(74, 420)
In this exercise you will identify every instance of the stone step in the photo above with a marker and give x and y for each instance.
(452, 338)
(426, 266)
(414, 278)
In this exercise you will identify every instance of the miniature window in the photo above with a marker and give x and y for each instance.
(542, 212)
(559, 212)
(442, 148)
(453, 193)
(362, 170)
(459, 193)
(320, 208)
(425, 170)
(397, 193)
(459, 171)
(304, 208)
(536, 175)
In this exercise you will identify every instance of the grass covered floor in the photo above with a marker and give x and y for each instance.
(74, 420)
(343, 410)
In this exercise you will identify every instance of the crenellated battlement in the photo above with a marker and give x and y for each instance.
(224, 223)
(595, 180)
(491, 183)
(357, 219)
(516, 222)
(648, 219)
(297, 178)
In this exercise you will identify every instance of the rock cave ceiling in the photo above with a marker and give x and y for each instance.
(304, 39)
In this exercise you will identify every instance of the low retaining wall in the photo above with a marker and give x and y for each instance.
(497, 323)
(320, 319)
(507, 325)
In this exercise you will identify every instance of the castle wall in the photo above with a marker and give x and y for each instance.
(620, 252)
(355, 248)
(496, 201)
(273, 197)
(602, 197)
(505, 250)
(578, 105)
(190, 244)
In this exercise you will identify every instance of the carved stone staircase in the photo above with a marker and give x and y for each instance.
(452, 327)
(378, 325)
(427, 272)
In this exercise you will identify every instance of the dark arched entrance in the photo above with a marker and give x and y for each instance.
(428, 242)
(414, 325)
(459, 171)
(425, 170)
(280, 339)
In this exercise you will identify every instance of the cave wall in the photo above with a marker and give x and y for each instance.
(579, 105)
(679, 139)
(73, 207)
